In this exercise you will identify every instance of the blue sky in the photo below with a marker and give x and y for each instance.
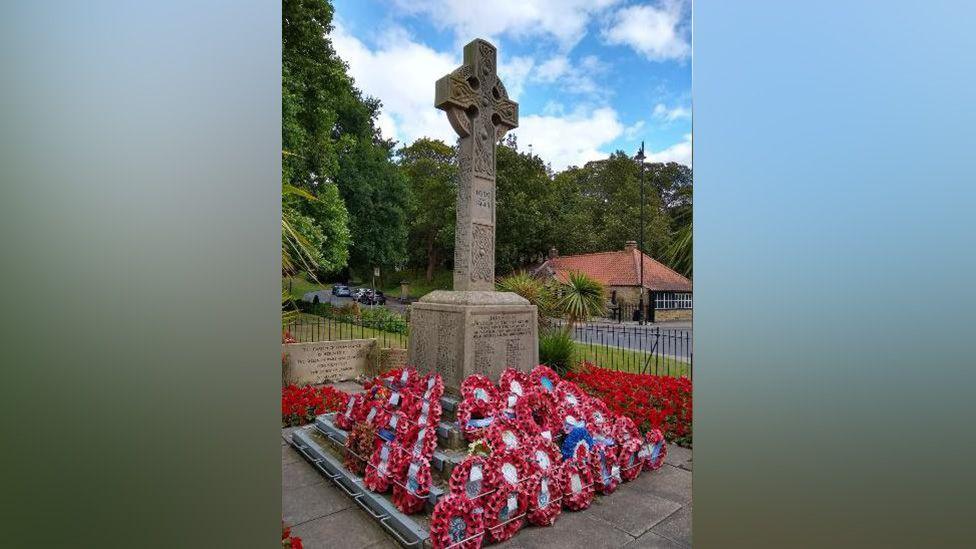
(590, 76)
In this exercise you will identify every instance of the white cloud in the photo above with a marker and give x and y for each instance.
(401, 74)
(657, 32)
(630, 132)
(680, 152)
(514, 72)
(662, 112)
(569, 140)
(561, 20)
(552, 69)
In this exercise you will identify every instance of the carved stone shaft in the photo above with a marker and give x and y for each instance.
(479, 110)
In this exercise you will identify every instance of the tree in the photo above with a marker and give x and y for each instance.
(431, 170)
(329, 130)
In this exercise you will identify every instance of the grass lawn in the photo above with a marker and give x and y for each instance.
(317, 328)
(627, 360)
(300, 286)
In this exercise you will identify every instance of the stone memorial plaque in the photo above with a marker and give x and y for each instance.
(326, 361)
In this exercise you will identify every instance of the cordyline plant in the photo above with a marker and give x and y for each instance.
(580, 298)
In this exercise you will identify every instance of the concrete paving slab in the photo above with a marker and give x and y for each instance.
(651, 540)
(678, 456)
(305, 503)
(572, 529)
(632, 510)
(289, 455)
(347, 529)
(299, 473)
(676, 527)
(668, 482)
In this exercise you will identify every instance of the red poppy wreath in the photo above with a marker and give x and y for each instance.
(411, 491)
(478, 387)
(346, 419)
(544, 494)
(505, 512)
(504, 434)
(606, 472)
(474, 416)
(577, 485)
(379, 471)
(654, 450)
(425, 412)
(514, 381)
(473, 479)
(544, 377)
(430, 387)
(455, 524)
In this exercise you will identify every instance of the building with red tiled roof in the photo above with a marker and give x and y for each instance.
(669, 294)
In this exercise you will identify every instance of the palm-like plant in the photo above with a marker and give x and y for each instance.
(297, 254)
(580, 298)
(533, 290)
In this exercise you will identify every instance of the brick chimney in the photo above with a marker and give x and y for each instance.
(553, 253)
(630, 245)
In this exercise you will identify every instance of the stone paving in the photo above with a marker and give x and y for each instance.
(652, 511)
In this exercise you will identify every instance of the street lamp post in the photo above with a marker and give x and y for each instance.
(640, 158)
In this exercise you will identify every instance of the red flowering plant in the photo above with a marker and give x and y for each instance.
(652, 402)
(300, 405)
(288, 540)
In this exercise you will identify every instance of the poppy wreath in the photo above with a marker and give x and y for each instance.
(514, 382)
(628, 457)
(360, 442)
(569, 418)
(474, 416)
(606, 471)
(401, 399)
(410, 493)
(473, 478)
(598, 417)
(544, 377)
(654, 450)
(577, 485)
(347, 420)
(379, 472)
(505, 511)
(425, 412)
(569, 394)
(525, 418)
(505, 434)
(544, 495)
(624, 429)
(395, 428)
(577, 445)
(478, 387)
(376, 415)
(543, 457)
(420, 441)
(406, 378)
(430, 387)
(541, 406)
(454, 519)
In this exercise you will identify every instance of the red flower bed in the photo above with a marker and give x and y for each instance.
(300, 405)
(652, 402)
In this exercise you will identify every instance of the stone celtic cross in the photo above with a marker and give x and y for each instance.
(479, 110)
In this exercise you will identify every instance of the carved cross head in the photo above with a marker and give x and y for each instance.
(473, 93)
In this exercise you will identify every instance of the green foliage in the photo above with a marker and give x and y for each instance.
(533, 290)
(580, 298)
(680, 252)
(383, 319)
(431, 170)
(557, 350)
(333, 147)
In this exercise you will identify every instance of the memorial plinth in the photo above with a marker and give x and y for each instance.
(460, 333)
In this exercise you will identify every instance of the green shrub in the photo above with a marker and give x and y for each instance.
(384, 319)
(557, 350)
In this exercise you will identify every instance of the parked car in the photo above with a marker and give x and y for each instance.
(356, 293)
(341, 290)
(370, 297)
